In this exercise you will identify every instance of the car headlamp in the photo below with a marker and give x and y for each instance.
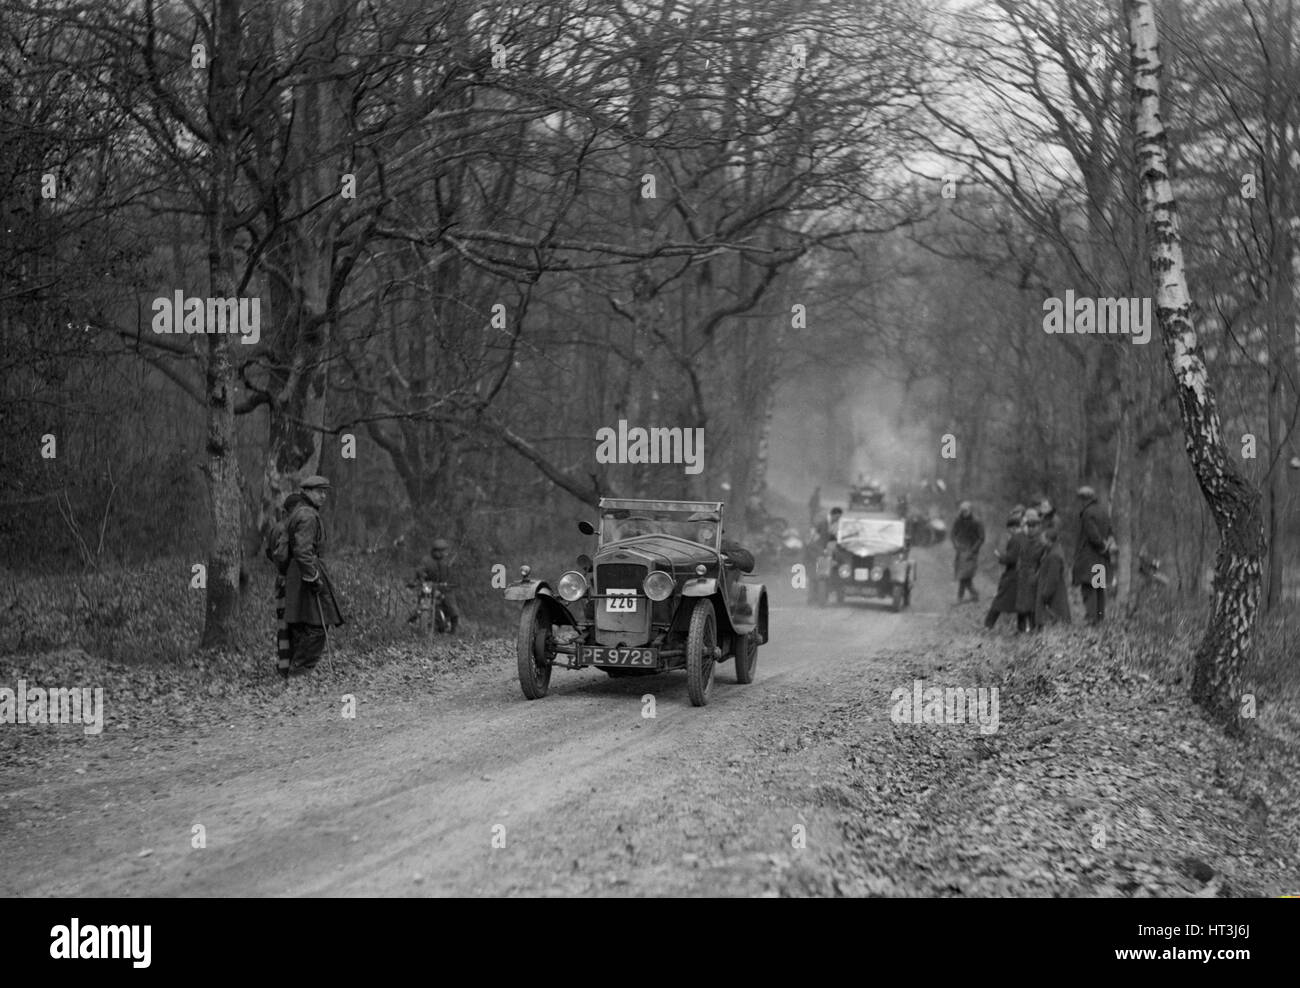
(876, 574)
(845, 571)
(658, 585)
(572, 585)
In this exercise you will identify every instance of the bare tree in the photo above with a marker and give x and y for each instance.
(1235, 502)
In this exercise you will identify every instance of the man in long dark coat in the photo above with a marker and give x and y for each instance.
(1090, 553)
(1004, 601)
(310, 603)
(1053, 597)
(1031, 554)
(967, 537)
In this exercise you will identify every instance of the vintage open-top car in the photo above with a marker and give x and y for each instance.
(660, 594)
(869, 557)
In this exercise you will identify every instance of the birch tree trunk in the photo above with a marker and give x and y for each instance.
(221, 616)
(1234, 502)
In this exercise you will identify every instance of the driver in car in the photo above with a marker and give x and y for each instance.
(633, 527)
(733, 553)
(736, 555)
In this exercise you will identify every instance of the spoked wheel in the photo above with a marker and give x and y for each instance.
(701, 649)
(534, 667)
(746, 657)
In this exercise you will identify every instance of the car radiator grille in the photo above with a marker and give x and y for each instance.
(620, 626)
(623, 576)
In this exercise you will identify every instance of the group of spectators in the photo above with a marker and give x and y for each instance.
(1034, 585)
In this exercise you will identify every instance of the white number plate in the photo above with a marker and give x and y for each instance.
(624, 603)
(647, 657)
(862, 574)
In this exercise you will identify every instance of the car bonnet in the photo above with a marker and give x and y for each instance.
(657, 551)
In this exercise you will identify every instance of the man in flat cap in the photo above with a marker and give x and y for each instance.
(1092, 564)
(310, 603)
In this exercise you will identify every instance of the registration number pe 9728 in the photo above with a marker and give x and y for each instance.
(601, 655)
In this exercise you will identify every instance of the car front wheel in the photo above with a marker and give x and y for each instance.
(534, 667)
(701, 646)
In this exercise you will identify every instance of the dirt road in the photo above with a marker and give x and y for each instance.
(450, 783)
(470, 789)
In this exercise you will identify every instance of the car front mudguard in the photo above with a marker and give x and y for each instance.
(526, 590)
(702, 586)
(747, 610)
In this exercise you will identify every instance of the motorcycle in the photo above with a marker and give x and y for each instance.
(1149, 572)
(430, 613)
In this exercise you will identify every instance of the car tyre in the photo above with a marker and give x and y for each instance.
(701, 640)
(896, 604)
(746, 657)
(534, 670)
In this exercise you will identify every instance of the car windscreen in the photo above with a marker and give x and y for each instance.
(868, 536)
(615, 526)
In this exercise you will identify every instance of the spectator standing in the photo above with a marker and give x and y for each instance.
(1004, 601)
(1031, 554)
(310, 604)
(1092, 563)
(967, 538)
(1053, 597)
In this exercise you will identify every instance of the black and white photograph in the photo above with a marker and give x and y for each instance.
(650, 449)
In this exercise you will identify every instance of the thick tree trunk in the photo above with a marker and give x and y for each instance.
(301, 273)
(1232, 499)
(221, 618)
